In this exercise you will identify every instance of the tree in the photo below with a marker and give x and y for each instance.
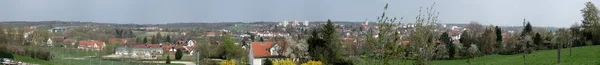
(157, 38)
(168, 40)
(145, 41)
(499, 46)
(590, 23)
(590, 15)
(231, 51)
(388, 38)
(488, 39)
(537, 40)
(178, 54)
(498, 34)
(526, 41)
(421, 40)
(168, 59)
(326, 45)
(563, 36)
(316, 46)
(466, 39)
(449, 45)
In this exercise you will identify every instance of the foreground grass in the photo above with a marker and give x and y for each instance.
(61, 56)
(586, 55)
(32, 60)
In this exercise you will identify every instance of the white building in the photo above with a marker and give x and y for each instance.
(49, 42)
(305, 23)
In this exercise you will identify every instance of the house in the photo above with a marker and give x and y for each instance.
(69, 41)
(211, 34)
(58, 30)
(264, 50)
(49, 42)
(91, 45)
(137, 52)
(191, 42)
(117, 40)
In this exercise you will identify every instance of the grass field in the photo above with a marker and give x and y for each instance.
(61, 56)
(32, 60)
(587, 55)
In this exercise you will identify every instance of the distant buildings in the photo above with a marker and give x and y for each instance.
(91, 45)
(305, 23)
(58, 30)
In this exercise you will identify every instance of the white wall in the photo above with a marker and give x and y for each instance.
(257, 61)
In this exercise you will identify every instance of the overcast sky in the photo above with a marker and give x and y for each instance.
(558, 13)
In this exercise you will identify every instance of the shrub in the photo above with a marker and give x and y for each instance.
(284, 62)
(168, 59)
(37, 53)
(313, 63)
(228, 62)
(268, 62)
(4, 54)
(178, 54)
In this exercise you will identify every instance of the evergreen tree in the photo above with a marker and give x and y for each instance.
(316, 46)
(158, 38)
(449, 45)
(499, 46)
(527, 29)
(168, 59)
(178, 54)
(537, 40)
(145, 40)
(498, 34)
(168, 40)
(466, 39)
(325, 46)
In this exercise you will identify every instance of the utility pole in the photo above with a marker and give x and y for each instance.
(198, 57)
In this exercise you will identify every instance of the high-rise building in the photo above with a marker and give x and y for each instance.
(305, 23)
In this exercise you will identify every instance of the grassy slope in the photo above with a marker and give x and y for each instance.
(32, 60)
(61, 53)
(587, 55)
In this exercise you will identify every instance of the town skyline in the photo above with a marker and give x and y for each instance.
(557, 13)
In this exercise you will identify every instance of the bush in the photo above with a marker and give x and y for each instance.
(168, 59)
(313, 63)
(4, 54)
(37, 53)
(268, 62)
(178, 54)
(228, 62)
(284, 62)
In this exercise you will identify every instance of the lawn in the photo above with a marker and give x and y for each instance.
(62, 55)
(587, 55)
(32, 60)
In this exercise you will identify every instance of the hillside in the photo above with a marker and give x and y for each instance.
(586, 55)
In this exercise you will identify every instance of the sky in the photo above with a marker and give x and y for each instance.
(555, 13)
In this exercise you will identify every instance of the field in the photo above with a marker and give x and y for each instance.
(587, 55)
(64, 56)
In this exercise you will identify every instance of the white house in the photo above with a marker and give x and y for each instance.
(49, 42)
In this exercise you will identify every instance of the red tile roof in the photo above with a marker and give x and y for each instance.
(68, 40)
(115, 40)
(261, 49)
(91, 44)
(165, 47)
